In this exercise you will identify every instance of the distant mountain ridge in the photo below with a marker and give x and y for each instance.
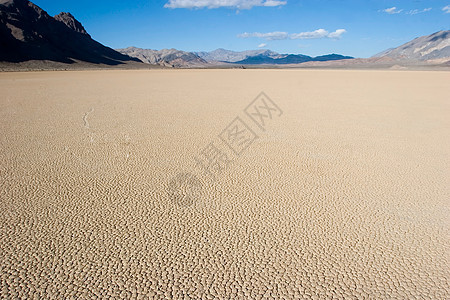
(428, 47)
(223, 55)
(27, 33)
(180, 59)
(263, 56)
(289, 59)
(165, 57)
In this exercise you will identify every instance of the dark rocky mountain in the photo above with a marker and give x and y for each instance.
(289, 59)
(429, 47)
(28, 33)
(165, 57)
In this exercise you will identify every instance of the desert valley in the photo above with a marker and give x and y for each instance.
(168, 174)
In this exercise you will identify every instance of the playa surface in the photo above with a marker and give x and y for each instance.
(107, 186)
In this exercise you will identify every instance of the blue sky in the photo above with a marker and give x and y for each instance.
(358, 28)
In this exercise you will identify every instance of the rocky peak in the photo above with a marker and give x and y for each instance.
(25, 7)
(71, 22)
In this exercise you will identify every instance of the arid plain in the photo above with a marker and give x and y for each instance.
(343, 195)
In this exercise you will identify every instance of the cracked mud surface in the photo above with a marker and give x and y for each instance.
(346, 195)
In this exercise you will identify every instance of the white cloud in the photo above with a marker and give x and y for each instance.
(276, 35)
(274, 3)
(446, 9)
(392, 10)
(239, 4)
(280, 35)
(417, 11)
(318, 34)
(337, 34)
(262, 45)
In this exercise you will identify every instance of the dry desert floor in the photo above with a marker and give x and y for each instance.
(176, 184)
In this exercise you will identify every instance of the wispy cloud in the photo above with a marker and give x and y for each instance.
(280, 35)
(395, 10)
(417, 11)
(262, 45)
(392, 10)
(446, 9)
(276, 35)
(239, 4)
(273, 3)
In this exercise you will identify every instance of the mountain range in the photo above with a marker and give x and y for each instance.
(29, 34)
(284, 59)
(223, 55)
(178, 58)
(165, 57)
(262, 56)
